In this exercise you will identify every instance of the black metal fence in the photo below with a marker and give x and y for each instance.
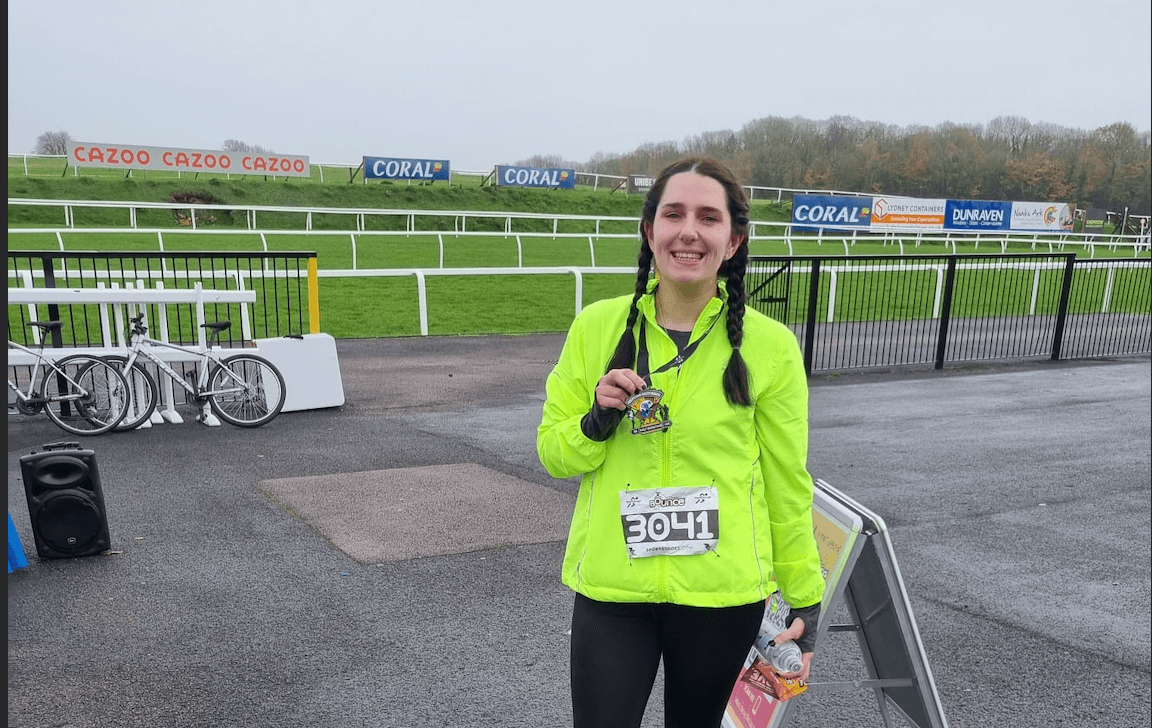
(280, 282)
(848, 312)
(874, 311)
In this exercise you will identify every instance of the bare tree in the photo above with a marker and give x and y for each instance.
(1009, 158)
(235, 145)
(549, 161)
(52, 142)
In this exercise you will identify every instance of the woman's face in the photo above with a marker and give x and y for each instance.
(692, 233)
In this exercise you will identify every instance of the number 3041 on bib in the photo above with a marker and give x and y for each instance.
(670, 521)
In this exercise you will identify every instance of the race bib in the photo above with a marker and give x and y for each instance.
(670, 521)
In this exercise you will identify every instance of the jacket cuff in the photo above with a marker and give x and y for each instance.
(811, 616)
(600, 422)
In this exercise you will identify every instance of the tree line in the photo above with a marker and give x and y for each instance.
(1010, 158)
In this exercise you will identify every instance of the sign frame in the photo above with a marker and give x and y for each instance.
(865, 575)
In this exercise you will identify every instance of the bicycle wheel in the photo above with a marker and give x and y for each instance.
(143, 393)
(89, 399)
(246, 391)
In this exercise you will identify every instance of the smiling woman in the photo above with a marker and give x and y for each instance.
(691, 236)
(704, 491)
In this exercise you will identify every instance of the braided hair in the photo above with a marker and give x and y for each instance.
(731, 271)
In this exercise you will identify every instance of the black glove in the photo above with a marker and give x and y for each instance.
(811, 616)
(599, 424)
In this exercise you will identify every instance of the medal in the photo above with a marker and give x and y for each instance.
(644, 408)
(646, 413)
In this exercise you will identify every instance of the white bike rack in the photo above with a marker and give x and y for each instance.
(123, 303)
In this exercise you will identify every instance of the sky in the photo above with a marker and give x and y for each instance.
(486, 82)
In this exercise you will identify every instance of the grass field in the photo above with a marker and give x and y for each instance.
(387, 306)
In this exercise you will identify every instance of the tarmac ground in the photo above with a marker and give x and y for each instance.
(394, 562)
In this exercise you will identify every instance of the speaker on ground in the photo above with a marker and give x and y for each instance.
(65, 501)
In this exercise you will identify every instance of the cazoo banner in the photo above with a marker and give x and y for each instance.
(173, 159)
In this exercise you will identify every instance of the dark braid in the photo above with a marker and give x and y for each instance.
(625, 355)
(736, 373)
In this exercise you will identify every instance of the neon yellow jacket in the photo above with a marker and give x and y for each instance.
(755, 456)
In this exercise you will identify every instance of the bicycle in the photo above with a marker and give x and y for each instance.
(87, 396)
(244, 390)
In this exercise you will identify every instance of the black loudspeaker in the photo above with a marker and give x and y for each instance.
(65, 502)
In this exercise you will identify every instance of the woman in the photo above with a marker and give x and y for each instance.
(686, 417)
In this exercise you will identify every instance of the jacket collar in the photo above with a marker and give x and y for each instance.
(714, 307)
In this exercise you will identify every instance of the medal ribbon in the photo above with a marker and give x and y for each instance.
(678, 360)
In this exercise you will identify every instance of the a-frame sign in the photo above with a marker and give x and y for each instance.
(860, 568)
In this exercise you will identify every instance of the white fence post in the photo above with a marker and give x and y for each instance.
(422, 298)
(579, 290)
(831, 295)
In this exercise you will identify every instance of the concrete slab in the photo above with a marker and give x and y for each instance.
(406, 513)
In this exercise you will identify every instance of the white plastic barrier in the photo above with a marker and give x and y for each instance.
(310, 367)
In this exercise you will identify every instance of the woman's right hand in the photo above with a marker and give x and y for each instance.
(616, 386)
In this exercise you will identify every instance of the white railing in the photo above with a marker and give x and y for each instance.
(33, 297)
(422, 273)
(781, 231)
(751, 191)
(354, 238)
(1054, 242)
(460, 217)
(114, 303)
(759, 231)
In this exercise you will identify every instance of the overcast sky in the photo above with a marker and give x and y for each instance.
(484, 82)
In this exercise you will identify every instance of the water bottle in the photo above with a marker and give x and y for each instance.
(784, 656)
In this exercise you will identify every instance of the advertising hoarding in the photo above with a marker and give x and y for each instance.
(510, 176)
(1094, 220)
(830, 211)
(639, 184)
(1042, 216)
(901, 213)
(884, 214)
(977, 215)
(397, 168)
(175, 159)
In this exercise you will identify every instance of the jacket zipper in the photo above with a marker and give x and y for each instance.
(666, 476)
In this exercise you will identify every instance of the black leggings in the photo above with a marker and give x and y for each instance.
(616, 650)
